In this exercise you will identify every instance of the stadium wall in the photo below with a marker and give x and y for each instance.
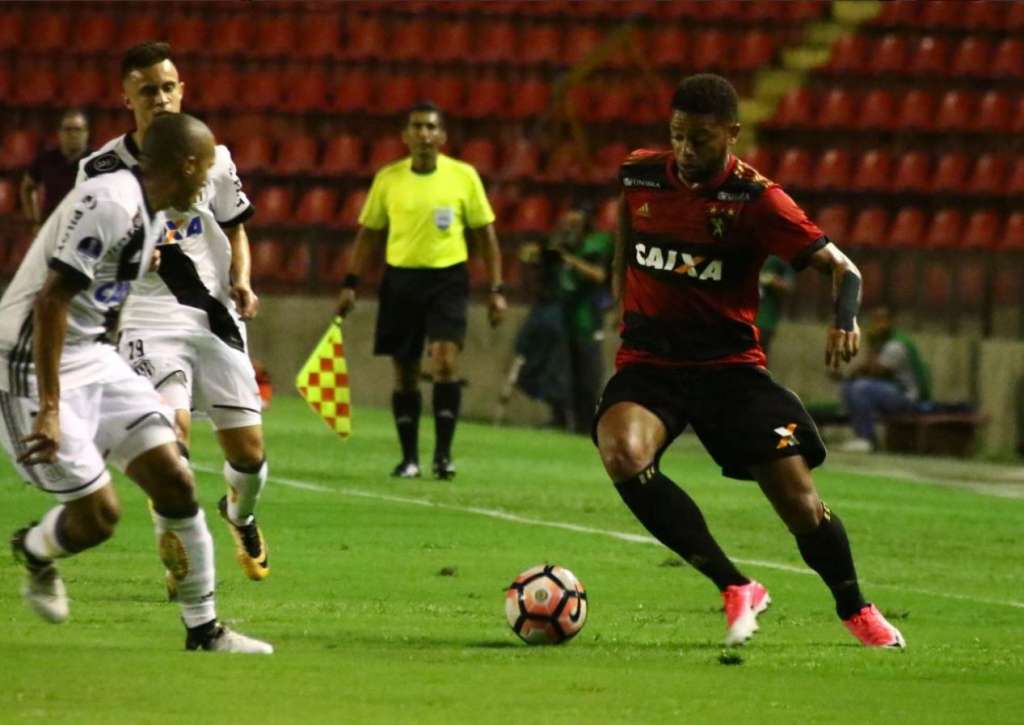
(963, 367)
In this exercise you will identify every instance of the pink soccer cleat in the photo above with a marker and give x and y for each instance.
(743, 602)
(871, 628)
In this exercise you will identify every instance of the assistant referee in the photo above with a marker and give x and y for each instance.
(423, 206)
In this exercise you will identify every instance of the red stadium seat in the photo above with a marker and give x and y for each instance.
(267, 259)
(849, 54)
(614, 102)
(273, 206)
(983, 15)
(234, 36)
(139, 27)
(761, 159)
(367, 39)
(972, 58)
(343, 155)
(800, 11)
(874, 171)
(898, 13)
(36, 86)
(917, 111)
(187, 34)
(481, 154)
(19, 148)
(497, 43)
(870, 228)
(297, 265)
(941, 14)
(534, 214)
(564, 164)
(275, 37)
(988, 174)
(834, 220)
(581, 42)
(521, 160)
(385, 150)
(94, 33)
(8, 197)
(353, 91)
(838, 109)
(539, 44)
(796, 109)
(1015, 182)
(890, 55)
(87, 86)
(668, 47)
(607, 161)
(1017, 125)
(755, 49)
(530, 98)
(995, 114)
(297, 154)
(877, 110)
(394, 94)
(253, 153)
(410, 40)
(712, 49)
(833, 170)
(11, 23)
(5, 80)
(348, 217)
(47, 32)
(955, 112)
(332, 264)
(317, 206)
(1013, 233)
(451, 42)
(983, 230)
(448, 91)
(320, 34)
(607, 217)
(794, 169)
(264, 88)
(930, 57)
(908, 228)
(307, 91)
(951, 172)
(488, 97)
(1013, 21)
(913, 172)
(945, 229)
(218, 90)
(1008, 59)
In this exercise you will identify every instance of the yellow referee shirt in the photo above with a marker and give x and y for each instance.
(426, 214)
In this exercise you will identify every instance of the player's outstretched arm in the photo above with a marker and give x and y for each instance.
(50, 323)
(241, 273)
(487, 240)
(844, 334)
(366, 240)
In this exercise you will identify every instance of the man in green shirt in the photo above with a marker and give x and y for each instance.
(774, 283)
(423, 207)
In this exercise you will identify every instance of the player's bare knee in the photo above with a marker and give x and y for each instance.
(175, 494)
(625, 455)
(801, 511)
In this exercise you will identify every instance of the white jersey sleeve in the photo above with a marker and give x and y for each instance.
(229, 203)
(95, 228)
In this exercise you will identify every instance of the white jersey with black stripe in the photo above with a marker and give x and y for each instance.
(102, 236)
(192, 288)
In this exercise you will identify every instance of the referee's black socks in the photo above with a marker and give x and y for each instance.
(827, 551)
(447, 401)
(406, 407)
(674, 519)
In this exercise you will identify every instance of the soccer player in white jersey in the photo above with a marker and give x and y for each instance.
(183, 328)
(69, 404)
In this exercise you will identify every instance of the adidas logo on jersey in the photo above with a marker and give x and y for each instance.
(672, 260)
(644, 210)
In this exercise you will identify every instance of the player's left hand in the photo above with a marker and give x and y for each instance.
(41, 445)
(496, 307)
(247, 302)
(841, 345)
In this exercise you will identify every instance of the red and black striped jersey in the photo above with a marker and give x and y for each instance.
(693, 259)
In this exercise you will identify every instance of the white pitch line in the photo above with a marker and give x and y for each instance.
(620, 535)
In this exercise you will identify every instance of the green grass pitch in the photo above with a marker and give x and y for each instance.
(367, 629)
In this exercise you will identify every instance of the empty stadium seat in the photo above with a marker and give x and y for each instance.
(951, 172)
(877, 110)
(273, 205)
(409, 40)
(606, 163)
(870, 228)
(19, 148)
(297, 154)
(795, 168)
(1013, 233)
(385, 150)
(332, 264)
(367, 39)
(796, 109)
(995, 113)
(447, 90)
(94, 33)
(534, 214)
(988, 174)
(983, 15)
(348, 217)
(581, 42)
(267, 259)
(36, 86)
(482, 154)
(343, 155)
(712, 49)
(317, 207)
(983, 230)
(890, 55)
(320, 34)
(1008, 59)
(955, 112)
(898, 13)
(264, 88)
(275, 36)
(306, 92)
(834, 220)
(233, 36)
(218, 90)
(873, 171)
(971, 58)
(1015, 181)
(487, 97)
(913, 172)
(87, 86)
(564, 163)
(908, 227)
(186, 34)
(521, 160)
(497, 42)
(8, 197)
(394, 94)
(614, 102)
(945, 229)
(539, 44)
(849, 54)
(838, 109)
(529, 98)
(10, 29)
(668, 46)
(607, 217)
(916, 112)
(138, 27)
(353, 91)
(930, 57)
(1017, 124)
(941, 14)
(761, 159)
(451, 42)
(833, 170)
(46, 32)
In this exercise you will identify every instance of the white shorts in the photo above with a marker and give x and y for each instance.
(196, 371)
(100, 423)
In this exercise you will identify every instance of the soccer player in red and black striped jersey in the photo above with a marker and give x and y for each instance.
(696, 225)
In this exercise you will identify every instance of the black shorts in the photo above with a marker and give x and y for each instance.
(741, 415)
(418, 305)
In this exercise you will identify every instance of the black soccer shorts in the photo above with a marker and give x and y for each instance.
(741, 415)
(418, 305)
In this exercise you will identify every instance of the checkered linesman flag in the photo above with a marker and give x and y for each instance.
(323, 381)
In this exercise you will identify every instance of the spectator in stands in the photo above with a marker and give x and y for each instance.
(775, 282)
(890, 381)
(52, 173)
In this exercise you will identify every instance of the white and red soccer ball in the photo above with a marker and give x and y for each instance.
(546, 604)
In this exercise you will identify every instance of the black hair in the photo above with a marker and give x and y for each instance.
(71, 113)
(426, 107)
(707, 94)
(144, 55)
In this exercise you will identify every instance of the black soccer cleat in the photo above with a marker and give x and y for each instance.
(250, 547)
(406, 469)
(444, 469)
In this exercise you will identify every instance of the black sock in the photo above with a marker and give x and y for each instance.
(827, 551)
(406, 406)
(447, 400)
(674, 519)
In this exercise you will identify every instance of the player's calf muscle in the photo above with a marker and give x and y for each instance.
(167, 482)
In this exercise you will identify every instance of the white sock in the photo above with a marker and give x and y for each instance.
(41, 540)
(186, 549)
(243, 491)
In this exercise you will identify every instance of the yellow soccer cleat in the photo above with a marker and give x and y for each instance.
(250, 548)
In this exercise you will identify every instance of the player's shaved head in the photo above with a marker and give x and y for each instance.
(174, 137)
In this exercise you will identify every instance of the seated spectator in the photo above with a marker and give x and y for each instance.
(52, 173)
(890, 381)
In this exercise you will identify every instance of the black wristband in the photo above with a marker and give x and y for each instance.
(847, 301)
(498, 289)
(351, 281)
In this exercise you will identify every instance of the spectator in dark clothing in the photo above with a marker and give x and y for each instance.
(52, 173)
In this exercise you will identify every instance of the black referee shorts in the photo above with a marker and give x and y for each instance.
(418, 305)
(741, 415)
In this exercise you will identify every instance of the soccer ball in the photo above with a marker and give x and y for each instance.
(546, 604)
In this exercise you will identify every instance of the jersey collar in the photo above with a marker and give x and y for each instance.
(673, 175)
(131, 146)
